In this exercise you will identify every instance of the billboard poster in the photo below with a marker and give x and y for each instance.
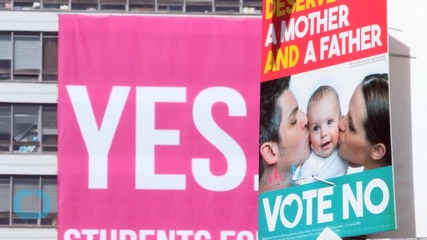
(325, 153)
(148, 143)
(299, 36)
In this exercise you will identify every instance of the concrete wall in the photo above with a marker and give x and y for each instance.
(408, 72)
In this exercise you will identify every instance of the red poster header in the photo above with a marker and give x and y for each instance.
(299, 35)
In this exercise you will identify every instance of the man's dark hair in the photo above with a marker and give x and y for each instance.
(270, 113)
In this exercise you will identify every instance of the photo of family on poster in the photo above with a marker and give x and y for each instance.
(324, 124)
(325, 153)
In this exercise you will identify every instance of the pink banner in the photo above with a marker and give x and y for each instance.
(158, 127)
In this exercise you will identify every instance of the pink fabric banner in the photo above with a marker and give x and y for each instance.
(158, 127)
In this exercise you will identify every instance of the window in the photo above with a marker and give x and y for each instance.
(28, 128)
(25, 4)
(88, 5)
(49, 129)
(49, 207)
(113, 5)
(5, 128)
(170, 5)
(50, 57)
(5, 200)
(28, 200)
(231, 6)
(142, 5)
(5, 55)
(28, 56)
(252, 6)
(191, 6)
(5, 4)
(203, 6)
(55, 4)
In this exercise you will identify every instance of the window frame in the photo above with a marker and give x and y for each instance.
(44, 55)
(41, 218)
(43, 143)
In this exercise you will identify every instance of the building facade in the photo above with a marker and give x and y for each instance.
(28, 104)
(28, 99)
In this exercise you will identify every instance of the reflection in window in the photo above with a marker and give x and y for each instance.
(25, 128)
(28, 128)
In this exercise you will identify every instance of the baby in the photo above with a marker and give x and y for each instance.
(323, 114)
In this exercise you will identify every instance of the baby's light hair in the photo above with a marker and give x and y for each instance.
(323, 91)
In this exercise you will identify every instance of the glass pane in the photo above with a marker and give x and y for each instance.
(199, 6)
(142, 5)
(25, 5)
(5, 4)
(5, 55)
(170, 5)
(27, 57)
(4, 200)
(50, 128)
(55, 4)
(49, 201)
(50, 58)
(229, 6)
(88, 5)
(26, 200)
(252, 6)
(5, 127)
(117, 5)
(25, 128)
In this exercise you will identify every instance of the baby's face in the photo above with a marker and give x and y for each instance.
(323, 119)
